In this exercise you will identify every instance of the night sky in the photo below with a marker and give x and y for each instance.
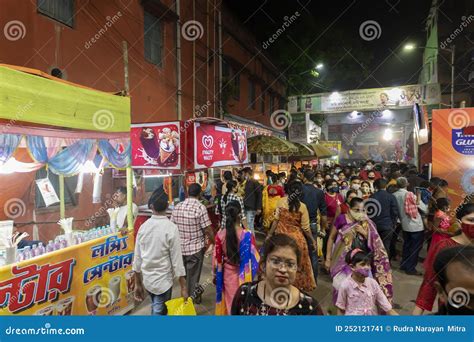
(330, 29)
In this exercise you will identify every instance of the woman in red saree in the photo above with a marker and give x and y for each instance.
(427, 293)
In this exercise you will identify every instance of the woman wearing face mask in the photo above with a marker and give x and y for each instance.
(292, 219)
(359, 294)
(276, 293)
(365, 189)
(371, 178)
(333, 200)
(343, 188)
(360, 233)
(455, 273)
(427, 292)
(235, 258)
(340, 221)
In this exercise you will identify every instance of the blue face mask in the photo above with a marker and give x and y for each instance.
(334, 189)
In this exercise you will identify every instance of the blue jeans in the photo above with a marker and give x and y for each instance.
(251, 219)
(158, 306)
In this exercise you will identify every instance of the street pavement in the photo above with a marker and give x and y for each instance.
(405, 291)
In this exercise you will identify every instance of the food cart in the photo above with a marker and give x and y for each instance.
(63, 128)
(186, 152)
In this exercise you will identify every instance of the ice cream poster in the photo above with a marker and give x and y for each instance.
(156, 145)
(219, 146)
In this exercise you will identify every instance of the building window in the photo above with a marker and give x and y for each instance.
(271, 104)
(282, 103)
(251, 95)
(153, 37)
(236, 85)
(262, 103)
(70, 184)
(60, 10)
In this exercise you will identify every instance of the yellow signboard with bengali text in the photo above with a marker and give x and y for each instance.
(334, 146)
(93, 278)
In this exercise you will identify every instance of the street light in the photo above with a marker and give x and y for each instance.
(411, 47)
(319, 66)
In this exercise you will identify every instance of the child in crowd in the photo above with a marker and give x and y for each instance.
(361, 295)
(441, 222)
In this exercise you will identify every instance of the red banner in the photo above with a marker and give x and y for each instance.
(218, 146)
(156, 145)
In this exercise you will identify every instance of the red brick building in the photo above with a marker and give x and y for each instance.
(177, 51)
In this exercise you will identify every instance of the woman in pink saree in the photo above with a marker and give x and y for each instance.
(360, 233)
(235, 258)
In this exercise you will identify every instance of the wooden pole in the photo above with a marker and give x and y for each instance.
(62, 201)
(129, 168)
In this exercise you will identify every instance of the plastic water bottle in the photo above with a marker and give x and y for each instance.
(27, 253)
(50, 246)
(57, 244)
(34, 251)
(41, 249)
(63, 243)
(19, 256)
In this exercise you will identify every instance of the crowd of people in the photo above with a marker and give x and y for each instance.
(355, 223)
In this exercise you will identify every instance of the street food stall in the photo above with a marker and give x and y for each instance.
(186, 152)
(263, 145)
(57, 130)
(312, 154)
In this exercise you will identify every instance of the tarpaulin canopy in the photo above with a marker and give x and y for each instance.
(28, 97)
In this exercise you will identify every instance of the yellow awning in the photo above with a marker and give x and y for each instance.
(27, 97)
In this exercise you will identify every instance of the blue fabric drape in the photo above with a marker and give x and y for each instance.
(8, 145)
(37, 148)
(115, 158)
(69, 161)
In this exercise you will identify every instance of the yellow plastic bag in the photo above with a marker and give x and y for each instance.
(177, 307)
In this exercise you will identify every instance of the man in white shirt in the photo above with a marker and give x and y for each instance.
(120, 198)
(158, 257)
(412, 225)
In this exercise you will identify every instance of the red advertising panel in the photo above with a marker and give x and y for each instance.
(218, 146)
(156, 145)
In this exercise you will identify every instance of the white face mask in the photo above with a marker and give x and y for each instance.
(355, 186)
